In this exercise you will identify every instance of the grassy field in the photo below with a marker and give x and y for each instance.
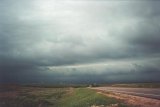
(138, 85)
(54, 97)
(83, 97)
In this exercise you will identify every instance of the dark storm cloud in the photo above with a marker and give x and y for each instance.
(37, 35)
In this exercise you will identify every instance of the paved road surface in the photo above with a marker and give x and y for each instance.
(143, 92)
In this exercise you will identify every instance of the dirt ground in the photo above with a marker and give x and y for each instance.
(135, 101)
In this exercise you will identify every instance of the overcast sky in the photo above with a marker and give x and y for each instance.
(79, 41)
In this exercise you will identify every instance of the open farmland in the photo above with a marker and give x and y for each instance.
(16, 96)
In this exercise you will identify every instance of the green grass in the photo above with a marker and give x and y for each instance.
(83, 97)
(55, 97)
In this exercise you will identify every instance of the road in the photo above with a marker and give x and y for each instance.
(153, 93)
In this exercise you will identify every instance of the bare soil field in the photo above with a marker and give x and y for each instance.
(135, 101)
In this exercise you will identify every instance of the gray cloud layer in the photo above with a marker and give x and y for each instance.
(59, 41)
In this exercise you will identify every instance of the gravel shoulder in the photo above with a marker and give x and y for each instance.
(135, 101)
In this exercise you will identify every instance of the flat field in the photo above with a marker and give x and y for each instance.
(138, 85)
(18, 96)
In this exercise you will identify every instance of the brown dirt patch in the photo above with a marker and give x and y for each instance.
(135, 101)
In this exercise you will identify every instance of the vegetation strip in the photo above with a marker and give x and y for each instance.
(56, 97)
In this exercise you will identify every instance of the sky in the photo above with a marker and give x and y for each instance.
(79, 41)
